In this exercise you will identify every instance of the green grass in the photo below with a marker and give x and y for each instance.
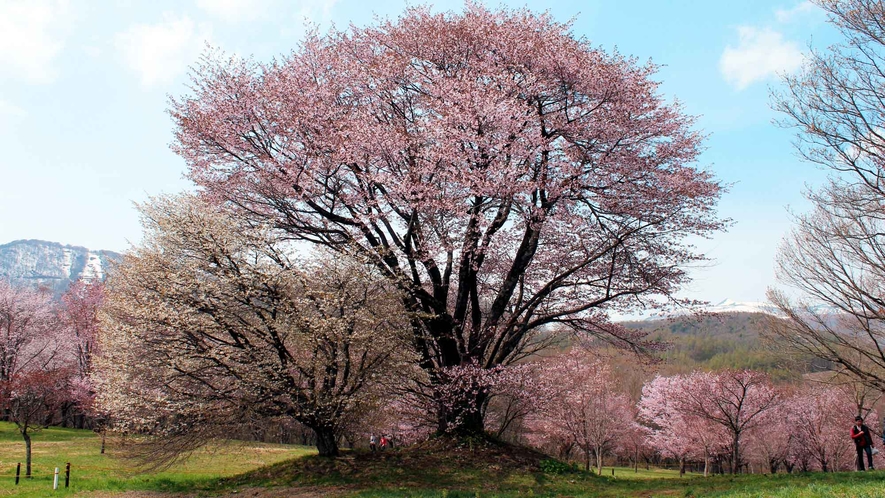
(91, 470)
(463, 483)
(231, 467)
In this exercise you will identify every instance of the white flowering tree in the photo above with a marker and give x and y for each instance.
(210, 323)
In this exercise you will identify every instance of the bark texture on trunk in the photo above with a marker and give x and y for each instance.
(735, 454)
(327, 442)
(27, 438)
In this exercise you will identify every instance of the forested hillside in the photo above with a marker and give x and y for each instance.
(725, 340)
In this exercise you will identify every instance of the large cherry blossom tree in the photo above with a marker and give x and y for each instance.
(505, 175)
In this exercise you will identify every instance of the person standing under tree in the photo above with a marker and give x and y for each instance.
(373, 442)
(863, 442)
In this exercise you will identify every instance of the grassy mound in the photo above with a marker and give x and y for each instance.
(449, 468)
(440, 463)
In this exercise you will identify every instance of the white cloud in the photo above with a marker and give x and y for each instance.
(800, 10)
(11, 110)
(160, 52)
(236, 10)
(10, 115)
(760, 54)
(32, 35)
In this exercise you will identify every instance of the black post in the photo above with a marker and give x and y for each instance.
(67, 474)
(613, 471)
(18, 472)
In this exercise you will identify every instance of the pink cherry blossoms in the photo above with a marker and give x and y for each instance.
(506, 176)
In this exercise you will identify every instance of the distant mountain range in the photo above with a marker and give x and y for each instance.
(38, 263)
(723, 307)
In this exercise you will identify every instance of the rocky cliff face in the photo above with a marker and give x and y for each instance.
(38, 263)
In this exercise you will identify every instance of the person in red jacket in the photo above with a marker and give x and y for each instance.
(863, 442)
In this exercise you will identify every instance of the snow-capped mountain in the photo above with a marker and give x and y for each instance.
(724, 306)
(730, 306)
(38, 263)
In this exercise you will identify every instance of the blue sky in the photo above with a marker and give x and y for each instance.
(84, 86)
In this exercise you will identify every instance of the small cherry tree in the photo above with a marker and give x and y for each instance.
(28, 330)
(583, 406)
(731, 403)
(34, 374)
(79, 313)
(820, 415)
(79, 317)
(674, 431)
(31, 399)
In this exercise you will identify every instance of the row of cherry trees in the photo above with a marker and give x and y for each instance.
(736, 419)
(740, 418)
(46, 351)
(579, 406)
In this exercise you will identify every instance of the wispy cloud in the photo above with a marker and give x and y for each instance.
(234, 11)
(161, 52)
(761, 53)
(799, 11)
(32, 34)
(8, 109)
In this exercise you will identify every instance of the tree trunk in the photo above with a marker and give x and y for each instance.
(681, 467)
(465, 418)
(587, 460)
(303, 435)
(736, 454)
(599, 461)
(104, 435)
(327, 443)
(27, 438)
(706, 462)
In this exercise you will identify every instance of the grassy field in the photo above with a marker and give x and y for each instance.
(265, 470)
(91, 470)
